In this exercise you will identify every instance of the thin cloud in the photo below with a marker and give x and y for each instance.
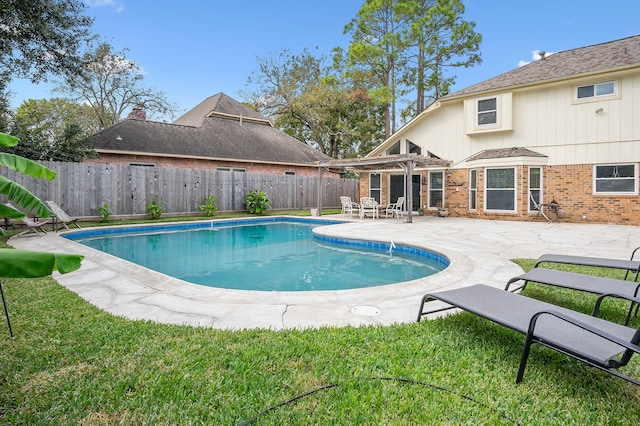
(118, 5)
(536, 55)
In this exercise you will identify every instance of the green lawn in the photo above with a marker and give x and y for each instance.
(71, 363)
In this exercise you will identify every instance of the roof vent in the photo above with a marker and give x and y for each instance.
(542, 54)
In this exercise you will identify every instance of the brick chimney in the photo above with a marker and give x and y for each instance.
(138, 114)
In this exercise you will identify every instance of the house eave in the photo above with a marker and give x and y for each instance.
(198, 157)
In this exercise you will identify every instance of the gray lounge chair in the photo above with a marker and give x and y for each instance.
(581, 282)
(597, 342)
(602, 262)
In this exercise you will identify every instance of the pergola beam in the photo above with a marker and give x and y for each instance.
(406, 162)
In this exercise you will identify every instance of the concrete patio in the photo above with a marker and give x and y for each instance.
(479, 251)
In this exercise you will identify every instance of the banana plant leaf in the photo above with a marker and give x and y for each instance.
(8, 140)
(26, 166)
(21, 195)
(35, 264)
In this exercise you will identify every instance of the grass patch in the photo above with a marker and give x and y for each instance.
(71, 363)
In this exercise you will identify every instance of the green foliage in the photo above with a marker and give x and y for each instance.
(42, 37)
(154, 209)
(309, 101)
(104, 213)
(54, 129)
(257, 202)
(209, 207)
(16, 192)
(403, 48)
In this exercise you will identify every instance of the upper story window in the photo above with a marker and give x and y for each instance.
(394, 149)
(596, 90)
(412, 148)
(487, 111)
(615, 179)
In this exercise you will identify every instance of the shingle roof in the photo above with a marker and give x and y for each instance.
(599, 57)
(219, 128)
(492, 154)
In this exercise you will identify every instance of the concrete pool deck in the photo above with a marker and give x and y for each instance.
(479, 251)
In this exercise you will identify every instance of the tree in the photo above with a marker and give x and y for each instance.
(437, 38)
(54, 129)
(377, 50)
(405, 47)
(112, 84)
(304, 98)
(41, 37)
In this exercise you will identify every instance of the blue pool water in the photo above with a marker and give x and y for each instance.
(272, 256)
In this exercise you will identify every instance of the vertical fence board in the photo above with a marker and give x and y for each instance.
(81, 189)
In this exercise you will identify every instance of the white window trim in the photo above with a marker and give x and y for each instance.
(541, 200)
(478, 112)
(635, 180)
(444, 201)
(473, 190)
(515, 195)
(595, 98)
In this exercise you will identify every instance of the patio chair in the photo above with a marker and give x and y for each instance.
(61, 216)
(368, 205)
(395, 209)
(580, 282)
(349, 206)
(630, 266)
(594, 341)
(33, 225)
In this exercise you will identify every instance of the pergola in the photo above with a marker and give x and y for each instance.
(406, 162)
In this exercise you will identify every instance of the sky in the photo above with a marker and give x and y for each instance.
(193, 49)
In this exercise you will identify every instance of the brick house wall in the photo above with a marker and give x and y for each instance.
(571, 186)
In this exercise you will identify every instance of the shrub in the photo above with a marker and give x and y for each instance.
(104, 213)
(257, 202)
(209, 207)
(154, 210)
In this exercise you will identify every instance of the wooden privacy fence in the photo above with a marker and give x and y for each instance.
(81, 189)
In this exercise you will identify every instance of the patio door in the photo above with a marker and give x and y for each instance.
(397, 188)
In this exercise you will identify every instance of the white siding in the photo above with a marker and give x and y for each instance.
(547, 120)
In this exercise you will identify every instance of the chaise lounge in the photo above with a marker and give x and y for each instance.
(594, 341)
(580, 282)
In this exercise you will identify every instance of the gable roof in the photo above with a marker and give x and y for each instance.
(218, 128)
(221, 104)
(617, 54)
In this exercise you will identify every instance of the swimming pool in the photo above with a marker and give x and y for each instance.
(274, 254)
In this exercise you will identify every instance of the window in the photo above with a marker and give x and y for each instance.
(394, 149)
(412, 148)
(374, 186)
(535, 187)
(596, 90)
(227, 169)
(500, 191)
(473, 189)
(487, 111)
(436, 190)
(615, 179)
(290, 172)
